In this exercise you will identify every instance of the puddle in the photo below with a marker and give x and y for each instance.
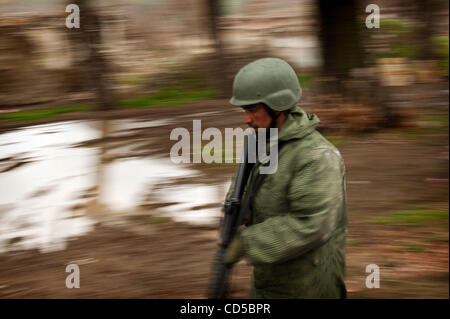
(126, 180)
(190, 200)
(197, 115)
(122, 127)
(49, 199)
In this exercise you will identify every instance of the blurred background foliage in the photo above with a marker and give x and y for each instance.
(131, 53)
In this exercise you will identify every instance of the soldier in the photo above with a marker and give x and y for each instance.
(297, 220)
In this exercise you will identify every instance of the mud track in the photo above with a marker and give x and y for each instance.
(152, 258)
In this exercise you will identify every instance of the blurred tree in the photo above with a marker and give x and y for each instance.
(342, 51)
(339, 34)
(424, 13)
(219, 67)
(88, 36)
(425, 10)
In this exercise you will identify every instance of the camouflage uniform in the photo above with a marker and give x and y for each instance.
(296, 237)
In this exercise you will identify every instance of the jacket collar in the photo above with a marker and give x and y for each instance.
(298, 124)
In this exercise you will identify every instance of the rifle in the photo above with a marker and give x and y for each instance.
(229, 225)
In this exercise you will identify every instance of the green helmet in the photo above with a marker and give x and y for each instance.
(270, 81)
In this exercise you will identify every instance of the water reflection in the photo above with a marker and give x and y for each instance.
(51, 188)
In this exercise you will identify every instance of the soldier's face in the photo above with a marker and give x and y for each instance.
(256, 116)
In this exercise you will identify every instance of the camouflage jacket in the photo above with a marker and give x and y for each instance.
(296, 237)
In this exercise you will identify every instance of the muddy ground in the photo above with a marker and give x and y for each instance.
(149, 257)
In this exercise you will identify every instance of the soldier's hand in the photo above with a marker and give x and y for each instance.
(235, 250)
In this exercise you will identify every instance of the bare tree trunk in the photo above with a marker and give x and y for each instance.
(219, 66)
(342, 51)
(89, 37)
(425, 10)
(341, 47)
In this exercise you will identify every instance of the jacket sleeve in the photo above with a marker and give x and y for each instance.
(315, 195)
